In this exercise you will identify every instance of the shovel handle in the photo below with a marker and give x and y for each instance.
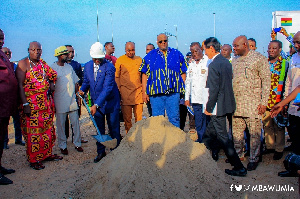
(91, 116)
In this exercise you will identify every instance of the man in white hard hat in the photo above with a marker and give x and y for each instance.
(99, 79)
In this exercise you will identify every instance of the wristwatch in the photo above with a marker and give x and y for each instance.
(96, 105)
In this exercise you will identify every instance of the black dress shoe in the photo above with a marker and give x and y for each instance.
(252, 166)
(99, 157)
(5, 171)
(215, 155)
(277, 155)
(22, 143)
(236, 172)
(4, 180)
(287, 174)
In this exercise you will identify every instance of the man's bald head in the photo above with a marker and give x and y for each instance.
(240, 46)
(35, 50)
(226, 51)
(130, 49)
(34, 44)
(296, 40)
(162, 42)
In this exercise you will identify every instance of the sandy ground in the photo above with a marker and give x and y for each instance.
(131, 172)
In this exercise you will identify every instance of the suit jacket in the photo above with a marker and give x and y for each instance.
(219, 82)
(8, 87)
(77, 68)
(104, 91)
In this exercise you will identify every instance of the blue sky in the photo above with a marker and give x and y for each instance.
(58, 22)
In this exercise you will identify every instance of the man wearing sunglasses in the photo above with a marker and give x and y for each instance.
(163, 75)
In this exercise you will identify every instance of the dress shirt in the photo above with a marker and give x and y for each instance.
(164, 71)
(292, 81)
(196, 81)
(96, 68)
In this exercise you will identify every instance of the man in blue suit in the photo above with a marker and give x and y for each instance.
(99, 78)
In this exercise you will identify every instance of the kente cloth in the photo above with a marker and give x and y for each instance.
(164, 71)
(277, 80)
(38, 129)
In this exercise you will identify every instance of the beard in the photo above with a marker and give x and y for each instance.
(272, 58)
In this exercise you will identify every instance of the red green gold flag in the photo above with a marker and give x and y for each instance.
(286, 21)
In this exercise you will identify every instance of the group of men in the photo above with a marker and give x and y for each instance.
(224, 93)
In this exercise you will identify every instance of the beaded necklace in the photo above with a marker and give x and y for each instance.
(33, 71)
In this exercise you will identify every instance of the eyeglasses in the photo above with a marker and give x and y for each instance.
(163, 41)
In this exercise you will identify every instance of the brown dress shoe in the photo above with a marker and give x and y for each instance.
(64, 151)
(83, 141)
(79, 149)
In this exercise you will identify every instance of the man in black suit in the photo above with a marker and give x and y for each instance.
(219, 83)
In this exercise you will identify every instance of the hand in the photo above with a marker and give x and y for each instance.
(52, 87)
(187, 103)
(207, 113)
(145, 97)
(283, 31)
(297, 104)
(261, 109)
(93, 110)
(79, 101)
(276, 109)
(27, 110)
(273, 35)
(284, 111)
(80, 92)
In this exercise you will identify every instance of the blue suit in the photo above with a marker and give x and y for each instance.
(104, 92)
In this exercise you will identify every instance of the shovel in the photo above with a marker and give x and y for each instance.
(106, 140)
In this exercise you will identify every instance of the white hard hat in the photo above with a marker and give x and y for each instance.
(96, 50)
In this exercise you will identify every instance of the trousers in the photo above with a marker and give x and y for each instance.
(169, 103)
(127, 110)
(61, 134)
(216, 135)
(254, 125)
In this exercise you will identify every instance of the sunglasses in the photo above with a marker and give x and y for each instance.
(7, 52)
(163, 41)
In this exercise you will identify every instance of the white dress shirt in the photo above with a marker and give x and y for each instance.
(195, 82)
(96, 68)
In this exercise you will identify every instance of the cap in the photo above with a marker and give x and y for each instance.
(97, 51)
(60, 51)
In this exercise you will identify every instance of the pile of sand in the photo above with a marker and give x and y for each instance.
(155, 160)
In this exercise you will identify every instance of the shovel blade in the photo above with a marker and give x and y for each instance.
(106, 140)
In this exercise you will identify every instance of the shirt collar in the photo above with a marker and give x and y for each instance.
(215, 56)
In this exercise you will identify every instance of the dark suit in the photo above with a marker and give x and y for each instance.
(104, 92)
(8, 96)
(219, 82)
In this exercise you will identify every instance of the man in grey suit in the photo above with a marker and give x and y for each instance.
(219, 83)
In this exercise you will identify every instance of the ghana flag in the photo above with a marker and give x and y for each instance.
(286, 21)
